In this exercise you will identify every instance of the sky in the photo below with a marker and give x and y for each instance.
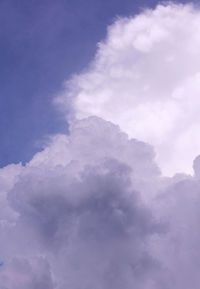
(43, 43)
(100, 147)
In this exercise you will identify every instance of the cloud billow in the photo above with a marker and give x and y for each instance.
(95, 218)
(145, 78)
(86, 218)
(92, 210)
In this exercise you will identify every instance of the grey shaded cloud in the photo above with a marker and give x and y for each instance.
(179, 251)
(21, 273)
(92, 211)
(83, 212)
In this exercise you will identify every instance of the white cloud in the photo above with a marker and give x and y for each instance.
(145, 78)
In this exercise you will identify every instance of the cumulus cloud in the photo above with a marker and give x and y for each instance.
(92, 210)
(146, 78)
(8, 178)
(77, 204)
(179, 204)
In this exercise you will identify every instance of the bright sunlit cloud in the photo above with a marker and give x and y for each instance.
(146, 78)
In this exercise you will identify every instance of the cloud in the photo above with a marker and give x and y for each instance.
(21, 273)
(8, 178)
(92, 210)
(108, 141)
(179, 204)
(145, 78)
(78, 205)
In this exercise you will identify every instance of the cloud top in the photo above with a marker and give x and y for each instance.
(145, 78)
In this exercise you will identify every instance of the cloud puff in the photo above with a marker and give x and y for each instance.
(146, 78)
(94, 225)
(92, 211)
(93, 139)
(78, 205)
(8, 178)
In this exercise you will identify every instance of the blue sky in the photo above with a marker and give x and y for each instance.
(42, 44)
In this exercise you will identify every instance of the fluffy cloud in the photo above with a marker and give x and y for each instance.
(92, 211)
(78, 205)
(8, 178)
(146, 78)
(94, 224)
